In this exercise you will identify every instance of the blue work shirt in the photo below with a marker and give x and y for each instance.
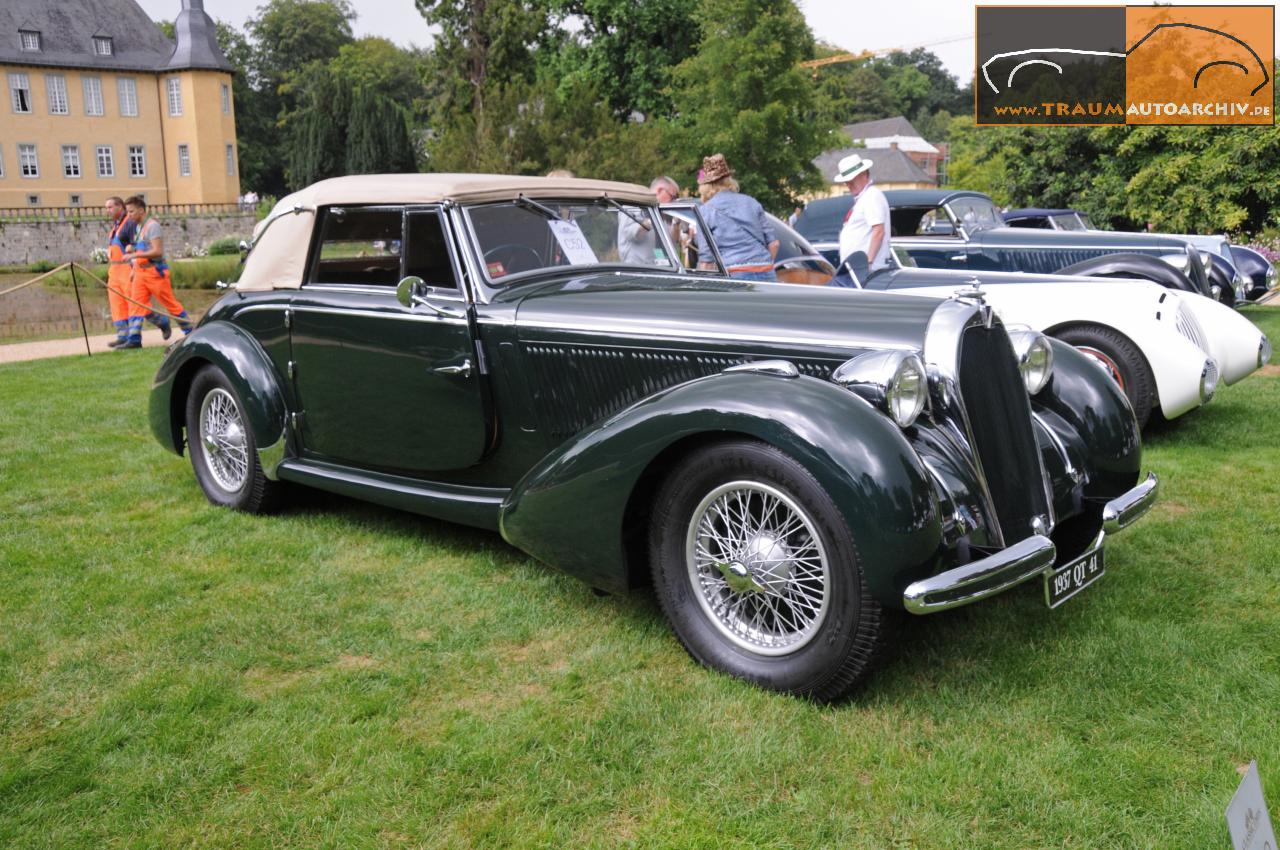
(741, 230)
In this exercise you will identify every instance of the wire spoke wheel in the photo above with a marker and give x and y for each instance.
(222, 440)
(758, 567)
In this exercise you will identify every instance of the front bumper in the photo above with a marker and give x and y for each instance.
(1024, 560)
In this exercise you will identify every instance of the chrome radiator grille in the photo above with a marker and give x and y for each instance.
(999, 413)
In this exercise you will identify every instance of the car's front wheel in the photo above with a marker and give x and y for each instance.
(758, 573)
(223, 453)
(1120, 359)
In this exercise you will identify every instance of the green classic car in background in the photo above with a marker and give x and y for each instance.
(790, 468)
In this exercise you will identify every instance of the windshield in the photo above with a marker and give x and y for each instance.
(1068, 221)
(518, 237)
(975, 213)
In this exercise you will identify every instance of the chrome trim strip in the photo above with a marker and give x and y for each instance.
(701, 336)
(432, 318)
(926, 242)
(780, 368)
(1061, 448)
(1123, 511)
(371, 289)
(269, 457)
(980, 579)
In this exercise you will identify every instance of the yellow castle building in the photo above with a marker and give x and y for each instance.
(101, 104)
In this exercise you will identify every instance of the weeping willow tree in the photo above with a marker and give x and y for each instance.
(377, 136)
(347, 131)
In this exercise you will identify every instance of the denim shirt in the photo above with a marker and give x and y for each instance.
(741, 230)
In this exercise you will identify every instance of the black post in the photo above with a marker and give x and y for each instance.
(83, 327)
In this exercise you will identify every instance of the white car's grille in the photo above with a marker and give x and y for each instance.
(1190, 328)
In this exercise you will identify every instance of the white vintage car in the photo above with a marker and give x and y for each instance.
(1168, 349)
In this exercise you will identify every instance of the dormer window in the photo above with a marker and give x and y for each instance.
(102, 45)
(30, 41)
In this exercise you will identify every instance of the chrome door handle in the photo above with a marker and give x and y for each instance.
(464, 370)
(958, 258)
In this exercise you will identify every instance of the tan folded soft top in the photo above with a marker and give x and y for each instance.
(278, 258)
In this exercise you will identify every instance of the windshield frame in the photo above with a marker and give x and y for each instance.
(508, 281)
(964, 229)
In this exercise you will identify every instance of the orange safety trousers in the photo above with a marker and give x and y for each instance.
(149, 283)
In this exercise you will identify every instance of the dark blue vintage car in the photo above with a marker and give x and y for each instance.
(1232, 286)
(1258, 271)
(957, 229)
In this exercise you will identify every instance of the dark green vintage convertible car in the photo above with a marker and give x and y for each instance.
(789, 467)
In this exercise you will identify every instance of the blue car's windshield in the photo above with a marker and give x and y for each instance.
(975, 213)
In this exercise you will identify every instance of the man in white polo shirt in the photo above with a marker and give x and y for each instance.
(864, 238)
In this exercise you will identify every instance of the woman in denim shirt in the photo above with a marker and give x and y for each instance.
(737, 221)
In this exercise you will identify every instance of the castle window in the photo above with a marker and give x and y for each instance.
(102, 45)
(184, 161)
(226, 99)
(1, 161)
(20, 92)
(30, 40)
(174, 87)
(75, 200)
(33, 200)
(231, 160)
(127, 88)
(28, 164)
(93, 96)
(55, 86)
(70, 160)
(106, 161)
(137, 161)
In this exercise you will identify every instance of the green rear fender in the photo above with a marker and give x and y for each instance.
(572, 510)
(246, 366)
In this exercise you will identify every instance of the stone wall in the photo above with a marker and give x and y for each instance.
(26, 242)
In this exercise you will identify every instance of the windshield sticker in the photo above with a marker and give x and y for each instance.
(496, 269)
(575, 246)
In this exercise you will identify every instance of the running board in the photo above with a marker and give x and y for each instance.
(475, 506)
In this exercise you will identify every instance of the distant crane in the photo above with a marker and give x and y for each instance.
(839, 58)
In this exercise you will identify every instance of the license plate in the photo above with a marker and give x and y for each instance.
(1068, 580)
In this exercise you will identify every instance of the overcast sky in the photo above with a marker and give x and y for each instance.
(944, 26)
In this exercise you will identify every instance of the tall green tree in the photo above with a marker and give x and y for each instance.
(743, 95)
(377, 138)
(626, 49)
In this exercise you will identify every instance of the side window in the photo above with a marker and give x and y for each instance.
(359, 246)
(426, 255)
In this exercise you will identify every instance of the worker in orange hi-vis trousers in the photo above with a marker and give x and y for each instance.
(120, 274)
(150, 274)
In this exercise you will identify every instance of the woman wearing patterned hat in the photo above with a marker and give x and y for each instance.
(738, 223)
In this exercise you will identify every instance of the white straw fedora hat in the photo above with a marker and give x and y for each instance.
(850, 167)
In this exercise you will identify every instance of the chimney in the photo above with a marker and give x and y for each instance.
(893, 146)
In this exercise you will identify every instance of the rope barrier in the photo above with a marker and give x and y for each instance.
(74, 266)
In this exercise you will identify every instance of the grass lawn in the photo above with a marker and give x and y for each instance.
(346, 676)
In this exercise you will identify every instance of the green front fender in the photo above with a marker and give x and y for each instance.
(572, 509)
(246, 366)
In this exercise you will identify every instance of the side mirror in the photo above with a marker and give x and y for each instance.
(412, 291)
(244, 249)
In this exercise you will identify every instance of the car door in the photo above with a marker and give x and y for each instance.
(381, 385)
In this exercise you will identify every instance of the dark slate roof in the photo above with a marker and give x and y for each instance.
(197, 41)
(896, 126)
(67, 28)
(888, 165)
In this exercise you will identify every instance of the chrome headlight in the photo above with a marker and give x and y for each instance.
(1035, 358)
(1264, 352)
(894, 381)
(1216, 292)
(1208, 380)
(1271, 276)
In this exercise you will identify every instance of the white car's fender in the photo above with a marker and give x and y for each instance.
(1144, 312)
(1231, 339)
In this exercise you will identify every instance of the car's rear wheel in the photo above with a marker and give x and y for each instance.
(223, 453)
(758, 574)
(1120, 359)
